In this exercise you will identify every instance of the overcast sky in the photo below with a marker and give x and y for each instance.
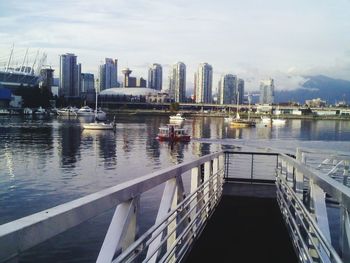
(253, 39)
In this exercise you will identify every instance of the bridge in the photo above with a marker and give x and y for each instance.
(243, 206)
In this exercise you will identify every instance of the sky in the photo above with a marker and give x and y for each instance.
(253, 39)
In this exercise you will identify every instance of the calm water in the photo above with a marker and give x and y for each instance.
(46, 162)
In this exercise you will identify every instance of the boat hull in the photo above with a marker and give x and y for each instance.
(98, 126)
(184, 138)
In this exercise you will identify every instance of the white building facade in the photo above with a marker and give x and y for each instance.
(204, 81)
(177, 82)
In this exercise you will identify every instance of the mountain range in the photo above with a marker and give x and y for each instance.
(329, 89)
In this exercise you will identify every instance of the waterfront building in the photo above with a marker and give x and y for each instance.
(108, 73)
(204, 80)
(240, 88)
(155, 77)
(87, 82)
(227, 91)
(316, 103)
(69, 76)
(46, 79)
(267, 91)
(133, 94)
(177, 82)
(141, 82)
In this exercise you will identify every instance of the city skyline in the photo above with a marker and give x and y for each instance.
(262, 39)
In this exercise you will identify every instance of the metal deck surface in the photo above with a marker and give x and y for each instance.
(247, 226)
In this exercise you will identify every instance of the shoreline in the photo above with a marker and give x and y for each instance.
(141, 112)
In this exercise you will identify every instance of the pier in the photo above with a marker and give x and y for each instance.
(228, 206)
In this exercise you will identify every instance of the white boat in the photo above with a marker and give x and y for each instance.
(177, 117)
(68, 111)
(279, 121)
(40, 111)
(265, 119)
(228, 119)
(268, 120)
(86, 111)
(99, 125)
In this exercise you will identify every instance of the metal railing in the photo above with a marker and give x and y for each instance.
(180, 218)
(304, 196)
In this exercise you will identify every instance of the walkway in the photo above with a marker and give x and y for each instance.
(245, 229)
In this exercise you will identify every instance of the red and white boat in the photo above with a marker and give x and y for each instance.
(173, 133)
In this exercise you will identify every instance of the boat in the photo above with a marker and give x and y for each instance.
(178, 117)
(4, 112)
(99, 125)
(86, 111)
(68, 111)
(265, 119)
(173, 133)
(242, 123)
(279, 121)
(268, 121)
(229, 118)
(40, 111)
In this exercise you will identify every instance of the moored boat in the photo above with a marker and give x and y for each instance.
(99, 126)
(173, 133)
(68, 111)
(178, 117)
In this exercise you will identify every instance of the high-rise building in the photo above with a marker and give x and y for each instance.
(155, 77)
(87, 82)
(240, 88)
(267, 91)
(227, 92)
(177, 82)
(69, 76)
(108, 73)
(204, 79)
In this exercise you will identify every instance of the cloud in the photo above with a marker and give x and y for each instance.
(252, 39)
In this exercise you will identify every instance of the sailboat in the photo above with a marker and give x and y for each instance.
(242, 123)
(99, 125)
(229, 118)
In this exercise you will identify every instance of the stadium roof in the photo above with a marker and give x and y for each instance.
(133, 91)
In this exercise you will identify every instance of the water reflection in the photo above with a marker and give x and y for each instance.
(69, 143)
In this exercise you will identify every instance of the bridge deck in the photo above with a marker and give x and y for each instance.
(246, 227)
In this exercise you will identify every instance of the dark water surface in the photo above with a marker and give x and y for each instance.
(46, 162)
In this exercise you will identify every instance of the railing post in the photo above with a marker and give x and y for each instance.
(122, 230)
(208, 187)
(195, 204)
(216, 178)
(164, 207)
(345, 234)
(252, 168)
(346, 172)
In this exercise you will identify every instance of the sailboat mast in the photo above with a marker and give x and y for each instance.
(237, 114)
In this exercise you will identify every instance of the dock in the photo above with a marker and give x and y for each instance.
(247, 226)
(228, 206)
